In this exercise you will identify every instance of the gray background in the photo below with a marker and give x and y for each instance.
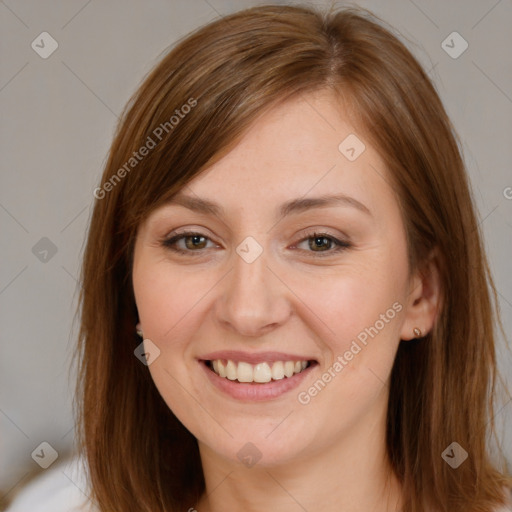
(58, 116)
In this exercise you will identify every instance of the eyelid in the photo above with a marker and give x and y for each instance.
(169, 241)
(340, 243)
(320, 231)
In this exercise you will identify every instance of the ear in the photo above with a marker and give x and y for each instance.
(424, 300)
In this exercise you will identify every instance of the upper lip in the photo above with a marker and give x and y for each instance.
(254, 357)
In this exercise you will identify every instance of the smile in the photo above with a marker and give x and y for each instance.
(255, 377)
(260, 373)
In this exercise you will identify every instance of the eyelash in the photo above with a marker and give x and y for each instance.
(340, 245)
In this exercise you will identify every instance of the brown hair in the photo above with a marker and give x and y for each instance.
(140, 457)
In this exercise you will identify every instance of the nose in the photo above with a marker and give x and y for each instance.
(252, 301)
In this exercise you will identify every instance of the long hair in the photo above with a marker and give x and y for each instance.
(190, 111)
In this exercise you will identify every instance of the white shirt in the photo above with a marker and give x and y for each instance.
(60, 488)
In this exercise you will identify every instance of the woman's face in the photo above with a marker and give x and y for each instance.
(288, 252)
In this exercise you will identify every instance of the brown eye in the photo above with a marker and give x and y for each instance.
(189, 242)
(320, 243)
(195, 242)
(323, 244)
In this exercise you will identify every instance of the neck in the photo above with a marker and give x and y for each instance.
(351, 475)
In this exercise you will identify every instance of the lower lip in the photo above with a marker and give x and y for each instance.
(254, 392)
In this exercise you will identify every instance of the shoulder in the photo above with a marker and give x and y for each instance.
(61, 488)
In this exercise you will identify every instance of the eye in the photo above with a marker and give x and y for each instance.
(323, 243)
(187, 242)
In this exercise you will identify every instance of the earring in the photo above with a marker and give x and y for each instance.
(417, 332)
(138, 329)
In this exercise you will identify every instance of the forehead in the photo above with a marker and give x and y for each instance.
(303, 147)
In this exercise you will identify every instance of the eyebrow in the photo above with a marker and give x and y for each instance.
(205, 206)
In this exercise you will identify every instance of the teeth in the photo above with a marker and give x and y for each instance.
(245, 372)
(278, 370)
(221, 368)
(289, 368)
(231, 371)
(261, 372)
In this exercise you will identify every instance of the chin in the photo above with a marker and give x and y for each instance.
(260, 445)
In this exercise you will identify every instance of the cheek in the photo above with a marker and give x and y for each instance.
(357, 300)
(362, 312)
(169, 304)
(166, 298)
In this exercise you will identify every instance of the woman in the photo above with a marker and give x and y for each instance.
(286, 304)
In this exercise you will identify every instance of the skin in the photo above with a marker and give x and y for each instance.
(330, 454)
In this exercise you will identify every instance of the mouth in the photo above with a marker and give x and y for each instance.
(259, 373)
(256, 377)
